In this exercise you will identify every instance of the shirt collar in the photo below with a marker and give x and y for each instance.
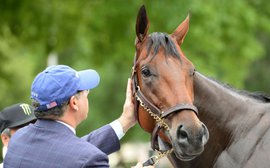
(70, 127)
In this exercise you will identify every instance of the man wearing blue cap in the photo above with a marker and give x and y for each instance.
(13, 118)
(59, 96)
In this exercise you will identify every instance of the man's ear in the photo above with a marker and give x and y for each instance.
(73, 103)
(5, 139)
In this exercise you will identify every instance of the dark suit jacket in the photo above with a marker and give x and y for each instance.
(49, 144)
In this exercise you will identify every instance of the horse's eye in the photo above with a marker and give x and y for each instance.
(192, 72)
(146, 72)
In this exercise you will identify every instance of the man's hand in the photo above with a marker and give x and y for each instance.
(128, 118)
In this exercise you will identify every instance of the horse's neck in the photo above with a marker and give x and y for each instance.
(219, 104)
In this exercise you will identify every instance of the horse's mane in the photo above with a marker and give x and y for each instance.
(260, 96)
(157, 40)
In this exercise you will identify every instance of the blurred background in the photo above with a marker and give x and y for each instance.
(227, 40)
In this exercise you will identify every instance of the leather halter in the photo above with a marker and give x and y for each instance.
(154, 111)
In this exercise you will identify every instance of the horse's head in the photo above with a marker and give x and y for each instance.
(163, 85)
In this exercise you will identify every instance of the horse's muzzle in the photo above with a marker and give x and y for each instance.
(189, 142)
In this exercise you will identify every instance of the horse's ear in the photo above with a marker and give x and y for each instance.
(181, 31)
(142, 24)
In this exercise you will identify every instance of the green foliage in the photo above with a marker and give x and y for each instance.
(224, 39)
(16, 69)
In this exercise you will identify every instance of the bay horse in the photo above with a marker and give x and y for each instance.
(238, 121)
(163, 89)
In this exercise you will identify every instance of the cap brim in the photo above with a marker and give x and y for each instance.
(89, 79)
(23, 122)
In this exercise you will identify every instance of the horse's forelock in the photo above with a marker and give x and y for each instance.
(157, 40)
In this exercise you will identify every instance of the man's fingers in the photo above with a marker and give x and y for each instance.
(129, 91)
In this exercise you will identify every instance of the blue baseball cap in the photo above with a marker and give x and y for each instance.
(57, 83)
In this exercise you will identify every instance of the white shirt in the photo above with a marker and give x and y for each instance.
(70, 127)
(118, 129)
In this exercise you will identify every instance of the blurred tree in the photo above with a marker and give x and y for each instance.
(258, 77)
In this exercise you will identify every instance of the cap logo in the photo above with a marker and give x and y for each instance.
(26, 109)
(34, 94)
(51, 105)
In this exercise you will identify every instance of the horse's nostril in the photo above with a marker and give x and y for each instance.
(205, 136)
(182, 133)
